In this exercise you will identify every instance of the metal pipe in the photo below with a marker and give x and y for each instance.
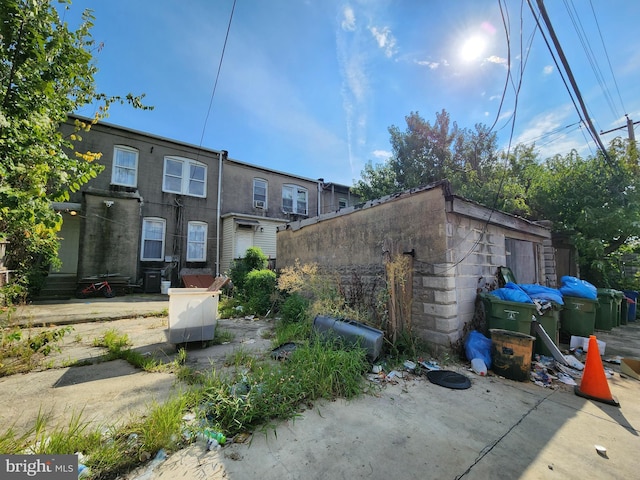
(222, 154)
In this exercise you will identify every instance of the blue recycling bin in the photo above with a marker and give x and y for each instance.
(631, 311)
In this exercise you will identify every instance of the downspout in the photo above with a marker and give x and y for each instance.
(320, 182)
(222, 155)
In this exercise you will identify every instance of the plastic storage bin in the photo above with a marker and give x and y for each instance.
(193, 314)
(578, 317)
(511, 354)
(605, 311)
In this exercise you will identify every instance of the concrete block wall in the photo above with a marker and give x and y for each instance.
(454, 250)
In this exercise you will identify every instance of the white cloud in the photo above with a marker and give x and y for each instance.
(426, 63)
(348, 19)
(385, 40)
(496, 59)
(547, 70)
(381, 154)
(547, 132)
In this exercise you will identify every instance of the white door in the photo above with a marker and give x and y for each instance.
(244, 240)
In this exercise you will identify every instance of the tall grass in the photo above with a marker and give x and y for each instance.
(254, 392)
(267, 391)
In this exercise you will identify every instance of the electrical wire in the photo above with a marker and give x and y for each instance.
(607, 55)
(517, 86)
(586, 46)
(215, 84)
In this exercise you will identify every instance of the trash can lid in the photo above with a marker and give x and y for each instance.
(606, 292)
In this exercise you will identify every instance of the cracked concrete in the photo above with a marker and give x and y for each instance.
(498, 428)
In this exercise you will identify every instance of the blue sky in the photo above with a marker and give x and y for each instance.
(311, 87)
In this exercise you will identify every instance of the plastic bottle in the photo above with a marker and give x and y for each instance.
(478, 366)
(213, 435)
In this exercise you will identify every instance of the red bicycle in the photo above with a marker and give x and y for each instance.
(93, 289)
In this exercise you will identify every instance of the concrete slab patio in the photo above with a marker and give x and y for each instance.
(498, 428)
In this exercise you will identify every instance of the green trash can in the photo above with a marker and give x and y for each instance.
(505, 315)
(550, 321)
(624, 310)
(617, 307)
(578, 317)
(605, 316)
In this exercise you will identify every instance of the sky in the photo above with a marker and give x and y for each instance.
(311, 87)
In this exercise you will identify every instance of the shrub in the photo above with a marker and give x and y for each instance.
(259, 288)
(294, 308)
(254, 259)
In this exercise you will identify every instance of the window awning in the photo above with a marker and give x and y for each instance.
(246, 221)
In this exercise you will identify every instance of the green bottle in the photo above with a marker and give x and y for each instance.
(213, 435)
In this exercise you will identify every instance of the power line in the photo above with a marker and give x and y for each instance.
(586, 46)
(607, 55)
(572, 79)
(215, 85)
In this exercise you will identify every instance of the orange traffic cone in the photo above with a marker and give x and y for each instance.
(594, 384)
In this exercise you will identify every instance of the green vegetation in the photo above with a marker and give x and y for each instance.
(256, 393)
(22, 351)
(593, 200)
(115, 343)
(259, 289)
(46, 71)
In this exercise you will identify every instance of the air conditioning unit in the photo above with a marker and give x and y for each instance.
(259, 204)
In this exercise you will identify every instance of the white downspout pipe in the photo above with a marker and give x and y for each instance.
(221, 155)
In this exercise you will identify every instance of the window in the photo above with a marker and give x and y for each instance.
(153, 230)
(294, 199)
(125, 166)
(197, 242)
(259, 193)
(184, 176)
(342, 203)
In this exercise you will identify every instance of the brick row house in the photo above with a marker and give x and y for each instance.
(161, 208)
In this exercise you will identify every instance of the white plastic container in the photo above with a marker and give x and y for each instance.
(478, 366)
(193, 314)
(164, 287)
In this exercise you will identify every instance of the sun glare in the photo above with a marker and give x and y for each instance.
(472, 49)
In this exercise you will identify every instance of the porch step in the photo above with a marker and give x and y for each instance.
(58, 287)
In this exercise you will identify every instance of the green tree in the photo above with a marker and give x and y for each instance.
(46, 72)
(425, 153)
(597, 199)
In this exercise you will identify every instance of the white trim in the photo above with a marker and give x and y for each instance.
(183, 176)
(115, 167)
(150, 220)
(202, 258)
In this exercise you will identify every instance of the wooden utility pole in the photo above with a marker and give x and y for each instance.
(628, 126)
(572, 80)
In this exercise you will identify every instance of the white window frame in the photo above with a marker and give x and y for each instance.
(199, 244)
(257, 198)
(117, 169)
(295, 192)
(146, 234)
(183, 176)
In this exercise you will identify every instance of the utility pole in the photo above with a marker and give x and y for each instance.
(572, 80)
(628, 126)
